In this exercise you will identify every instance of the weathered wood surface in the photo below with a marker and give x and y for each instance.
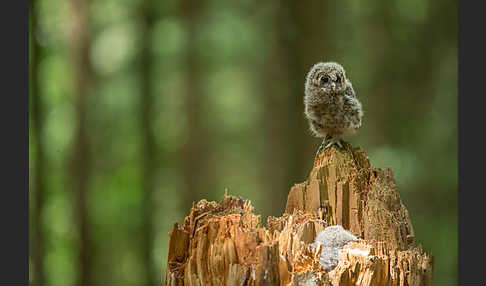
(225, 243)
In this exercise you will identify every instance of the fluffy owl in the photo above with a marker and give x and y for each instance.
(331, 106)
(332, 239)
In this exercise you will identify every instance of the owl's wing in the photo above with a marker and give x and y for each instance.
(349, 91)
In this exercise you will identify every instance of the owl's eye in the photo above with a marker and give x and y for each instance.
(338, 78)
(324, 79)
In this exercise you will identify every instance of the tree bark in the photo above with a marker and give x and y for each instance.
(225, 243)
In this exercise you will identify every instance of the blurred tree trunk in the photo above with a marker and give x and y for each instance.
(148, 150)
(193, 151)
(307, 45)
(385, 72)
(80, 48)
(300, 42)
(37, 186)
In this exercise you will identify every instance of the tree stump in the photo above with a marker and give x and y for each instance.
(225, 243)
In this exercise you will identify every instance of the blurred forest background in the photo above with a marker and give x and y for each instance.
(140, 107)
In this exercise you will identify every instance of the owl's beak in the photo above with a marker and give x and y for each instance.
(333, 86)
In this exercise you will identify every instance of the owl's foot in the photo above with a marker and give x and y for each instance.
(334, 141)
(328, 142)
(324, 144)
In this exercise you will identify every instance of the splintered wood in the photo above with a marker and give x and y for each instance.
(225, 243)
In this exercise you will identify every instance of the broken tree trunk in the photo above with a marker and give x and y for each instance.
(225, 243)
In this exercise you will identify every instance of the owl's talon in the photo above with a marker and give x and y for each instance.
(334, 141)
(338, 142)
(328, 145)
(330, 141)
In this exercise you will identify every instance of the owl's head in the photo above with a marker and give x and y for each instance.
(327, 77)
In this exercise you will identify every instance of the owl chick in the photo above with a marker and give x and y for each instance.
(331, 106)
(332, 239)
